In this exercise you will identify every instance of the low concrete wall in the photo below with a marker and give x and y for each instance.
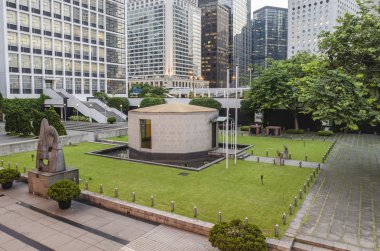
(31, 145)
(147, 213)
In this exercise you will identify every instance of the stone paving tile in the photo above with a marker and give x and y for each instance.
(345, 208)
(75, 244)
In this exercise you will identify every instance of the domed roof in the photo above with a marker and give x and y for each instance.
(174, 108)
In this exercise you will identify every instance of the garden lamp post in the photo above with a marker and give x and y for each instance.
(64, 108)
(250, 69)
(105, 112)
(121, 113)
(236, 110)
(77, 114)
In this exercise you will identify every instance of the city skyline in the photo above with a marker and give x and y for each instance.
(257, 4)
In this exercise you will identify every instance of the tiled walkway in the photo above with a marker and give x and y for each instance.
(346, 203)
(30, 222)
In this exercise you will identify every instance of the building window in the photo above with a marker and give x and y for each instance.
(36, 24)
(38, 85)
(94, 85)
(14, 81)
(26, 64)
(12, 41)
(69, 85)
(78, 86)
(13, 62)
(11, 20)
(146, 133)
(26, 84)
(37, 64)
(86, 86)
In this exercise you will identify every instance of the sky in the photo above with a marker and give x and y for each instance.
(257, 4)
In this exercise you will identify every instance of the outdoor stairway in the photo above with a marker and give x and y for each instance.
(243, 155)
(100, 109)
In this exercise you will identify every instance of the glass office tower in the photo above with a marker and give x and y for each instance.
(77, 45)
(215, 42)
(269, 35)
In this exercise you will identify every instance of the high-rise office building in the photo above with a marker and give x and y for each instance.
(307, 18)
(269, 35)
(76, 45)
(240, 35)
(215, 44)
(164, 42)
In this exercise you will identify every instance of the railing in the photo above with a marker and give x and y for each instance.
(109, 109)
(74, 102)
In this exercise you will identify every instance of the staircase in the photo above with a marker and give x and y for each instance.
(106, 110)
(243, 155)
(94, 109)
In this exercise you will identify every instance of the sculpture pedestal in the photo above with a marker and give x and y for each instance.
(39, 182)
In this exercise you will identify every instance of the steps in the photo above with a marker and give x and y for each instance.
(243, 155)
(298, 246)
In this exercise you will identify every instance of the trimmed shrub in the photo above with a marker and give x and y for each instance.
(115, 102)
(207, 102)
(81, 118)
(55, 121)
(8, 175)
(64, 190)
(295, 131)
(111, 120)
(244, 128)
(325, 133)
(146, 102)
(236, 235)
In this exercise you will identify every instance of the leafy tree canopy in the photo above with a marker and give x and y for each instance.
(115, 102)
(278, 86)
(147, 90)
(152, 101)
(102, 96)
(353, 49)
(207, 102)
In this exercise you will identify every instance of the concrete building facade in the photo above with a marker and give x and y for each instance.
(307, 18)
(191, 134)
(79, 46)
(164, 41)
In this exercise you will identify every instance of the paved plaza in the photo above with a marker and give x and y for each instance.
(345, 201)
(29, 222)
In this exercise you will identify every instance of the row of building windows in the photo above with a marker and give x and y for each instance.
(113, 8)
(34, 85)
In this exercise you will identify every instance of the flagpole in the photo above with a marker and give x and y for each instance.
(227, 121)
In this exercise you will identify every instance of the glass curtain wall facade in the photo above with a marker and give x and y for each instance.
(164, 40)
(77, 45)
(240, 35)
(269, 35)
(215, 43)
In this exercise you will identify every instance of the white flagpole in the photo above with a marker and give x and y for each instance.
(236, 109)
(228, 111)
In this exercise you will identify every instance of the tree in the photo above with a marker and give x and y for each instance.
(207, 102)
(37, 117)
(1, 101)
(151, 102)
(331, 94)
(102, 96)
(278, 86)
(354, 48)
(236, 235)
(115, 102)
(55, 121)
(147, 90)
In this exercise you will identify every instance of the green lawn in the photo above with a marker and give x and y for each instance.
(313, 149)
(123, 138)
(236, 192)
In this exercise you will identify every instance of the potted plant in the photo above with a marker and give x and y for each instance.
(63, 192)
(7, 176)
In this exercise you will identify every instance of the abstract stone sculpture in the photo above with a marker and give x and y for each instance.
(49, 152)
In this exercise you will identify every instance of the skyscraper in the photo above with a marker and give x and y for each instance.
(164, 42)
(240, 38)
(79, 46)
(308, 18)
(269, 35)
(215, 44)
